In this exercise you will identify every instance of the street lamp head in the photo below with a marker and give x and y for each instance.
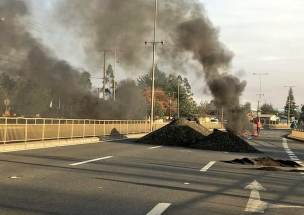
(2, 19)
(146, 42)
(162, 42)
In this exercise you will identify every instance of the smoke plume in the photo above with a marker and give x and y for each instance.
(189, 34)
(40, 65)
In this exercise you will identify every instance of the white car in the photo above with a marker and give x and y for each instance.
(215, 121)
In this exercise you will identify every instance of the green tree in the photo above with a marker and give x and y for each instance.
(267, 109)
(204, 109)
(85, 80)
(170, 84)
(109, 81)
(290, 103)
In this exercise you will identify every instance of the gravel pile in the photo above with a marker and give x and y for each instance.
(180, 132)
(265, 161)
(224, 141)
(183, 133)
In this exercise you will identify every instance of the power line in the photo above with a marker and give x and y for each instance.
(34, 25)
(10, 61)
(10, 56)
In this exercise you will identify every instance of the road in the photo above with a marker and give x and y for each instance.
(122, 177)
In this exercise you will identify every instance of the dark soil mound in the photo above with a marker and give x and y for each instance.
(224, 141)
(180, 132)
(267, 168)
(265, 161)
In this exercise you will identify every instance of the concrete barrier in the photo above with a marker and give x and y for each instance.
(297, 134)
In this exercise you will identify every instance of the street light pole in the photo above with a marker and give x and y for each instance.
(260, 94)
(154, 43)
(288, 115)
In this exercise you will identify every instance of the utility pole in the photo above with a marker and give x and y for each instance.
(104, 73)
(154, 43)
(288, 116)
(260, 94)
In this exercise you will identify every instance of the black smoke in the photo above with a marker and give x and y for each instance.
(39, 64)
(189, 34)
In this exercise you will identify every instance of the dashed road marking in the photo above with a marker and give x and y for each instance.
(290, 153)
(155, 147)
(159, 209)
(88, 161)
(205, 168)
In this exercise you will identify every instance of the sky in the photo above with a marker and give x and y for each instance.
(266, 36)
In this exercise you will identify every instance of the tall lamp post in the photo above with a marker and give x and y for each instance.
(154, 43)
(260, 94)
(288, 116)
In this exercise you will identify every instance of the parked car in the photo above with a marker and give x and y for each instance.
(215, 121)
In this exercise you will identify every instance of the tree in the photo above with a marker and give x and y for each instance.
(109, 81)
(204, 109)
(267, 109)
(290, 103)
(170, 84)
(162, 106)
(131, 99)
(85, 80)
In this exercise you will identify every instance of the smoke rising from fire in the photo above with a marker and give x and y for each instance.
(184, 26)
(114, 24)
(40, 65)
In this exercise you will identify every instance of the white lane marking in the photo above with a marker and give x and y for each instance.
(159, 209)
(290, 153)
(88, 161)
(205, 168)
(255, 204)
(155, 147)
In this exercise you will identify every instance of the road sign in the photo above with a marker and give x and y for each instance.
(6, 102)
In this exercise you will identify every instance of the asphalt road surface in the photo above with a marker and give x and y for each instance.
(122, 177)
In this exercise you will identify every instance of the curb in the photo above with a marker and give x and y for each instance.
(63, 142)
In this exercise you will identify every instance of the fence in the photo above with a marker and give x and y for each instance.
(29, 129)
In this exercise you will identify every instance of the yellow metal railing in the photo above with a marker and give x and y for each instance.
(29, 129)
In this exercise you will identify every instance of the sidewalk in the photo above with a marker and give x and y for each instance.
(9, 147)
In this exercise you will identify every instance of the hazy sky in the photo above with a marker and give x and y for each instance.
(266, 36)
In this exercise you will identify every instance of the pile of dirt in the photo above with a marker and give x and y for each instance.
(265, 161)
(224, 141)
(184, 133)
(180, 132)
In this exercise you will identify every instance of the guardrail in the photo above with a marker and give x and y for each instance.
(30, 129)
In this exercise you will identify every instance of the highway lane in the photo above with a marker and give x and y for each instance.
(137, 178)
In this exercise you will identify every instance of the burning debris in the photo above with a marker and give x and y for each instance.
(187, 134)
